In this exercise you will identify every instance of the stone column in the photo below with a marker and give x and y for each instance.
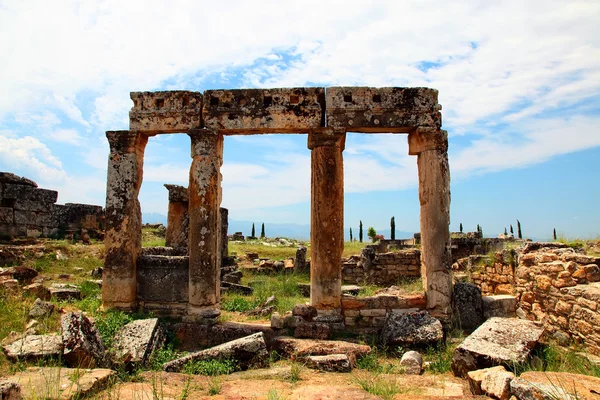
(178, 218)
(204, 193)
(326, 219)
(431, 147)
(123, 219)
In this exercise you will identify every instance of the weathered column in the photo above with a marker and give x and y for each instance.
(123, 218)
(204, 194)
(224, 238)
(177, 218)
(326, 219)
(431, 147)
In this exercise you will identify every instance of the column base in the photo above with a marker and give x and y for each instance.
(202, 315)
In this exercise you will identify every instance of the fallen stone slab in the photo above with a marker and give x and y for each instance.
(41, 309)
(412, 362)
(352, 290)
(10, 390)
(194, 337)
(499, 341)
(555, 385)
(65, 291)
(82, 344)
(136, 341)
(476, 377)
(299, 349)
(411, 329)
(502, 305)
(236, 288)
(313, 330)
(329, 363)
(60, 383)
(496, 384)
(34, 347)
(37, 290)
(247, 352)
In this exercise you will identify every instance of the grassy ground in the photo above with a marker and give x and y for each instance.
(282, 253)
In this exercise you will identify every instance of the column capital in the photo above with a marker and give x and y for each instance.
(326, 137)
(177, 193)
(206, 142)
(424, 139)
(125, 142)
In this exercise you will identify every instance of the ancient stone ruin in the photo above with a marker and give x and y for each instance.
(325, 115)
(29, 211)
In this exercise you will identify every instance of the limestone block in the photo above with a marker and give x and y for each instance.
(64, 291)
(247, 352)
(246, 111)
(166, 111)
(498, 341)
(162, 278)
(476, 377)
(329, 363)
(82, 345)
(302, 348)
(499, 306)
(411, 329)
(7, 215)
(496, 383)
(7, 177)
(37, 290)
(313, 330)
(25, 217)
(412, 362)
(468, 306)
(390, 109)
(34, 347)
(136, 341)
(10, 390)
(41, 309)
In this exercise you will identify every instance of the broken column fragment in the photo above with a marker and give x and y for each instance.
(204, 195)
(123, 218)
(431, 148)
(327, 218)
(177, 217)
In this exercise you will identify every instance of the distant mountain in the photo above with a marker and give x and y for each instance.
(154, 218)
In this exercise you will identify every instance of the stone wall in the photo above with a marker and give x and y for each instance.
(494, 274)
(368, 314)
(382, 269)
(559, 287)
(28, 211)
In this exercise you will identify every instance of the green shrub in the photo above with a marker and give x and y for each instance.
(236, 303)
(109, 323)
(210, 367)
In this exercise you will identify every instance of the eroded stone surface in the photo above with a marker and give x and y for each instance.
(411, 329)
(34, 347)
(136, 341)
(166, 111)
(247, 352)
(468, 306)
(82, 344)
(41, 309)
(299, 349)
(412, 362)
(499, 341)
(330, 363)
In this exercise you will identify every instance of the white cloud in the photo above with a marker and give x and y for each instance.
(69, 136)
(31, 158)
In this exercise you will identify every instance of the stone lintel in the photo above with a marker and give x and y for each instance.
(126, 142)
(326, 137)
(165, 111)
(423, 139)
(256, 111)
(177, 193)
(382, 110)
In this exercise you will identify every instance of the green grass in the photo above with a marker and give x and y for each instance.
(375, 362)
(210, 367)
(282, 253)
(152, 238)
(214, 386)
(440, 358)
(283, 286)
(383, 387)
(552, 358)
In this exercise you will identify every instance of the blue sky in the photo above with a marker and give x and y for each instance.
(519, 83)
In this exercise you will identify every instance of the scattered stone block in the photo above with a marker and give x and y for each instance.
(412, 329)
(41, 309)
(305, 311)
(136, 341)
(313, 330)
(329, 363)
(82, 345)
(503, 306)
(499, 341)
(10, 390)
(11, 285)
(65, 291)
(496, 384)
(468, 306)
(38, 290)
(352, 290)
(299, 349)
(412, 362)
(233, 277)
(476, 377)
(59, 383)
(277, 321)
(247, 352)
(34, 347)
(234, 287)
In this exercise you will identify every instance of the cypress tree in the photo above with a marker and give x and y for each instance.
(519, 229)
(478, 228)
(393, 228)
(461, 228)
(360, 232)
(350, 233)
(554, 233)
(505, 232)
(262, 231)
(253, 231)
(512, 232)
